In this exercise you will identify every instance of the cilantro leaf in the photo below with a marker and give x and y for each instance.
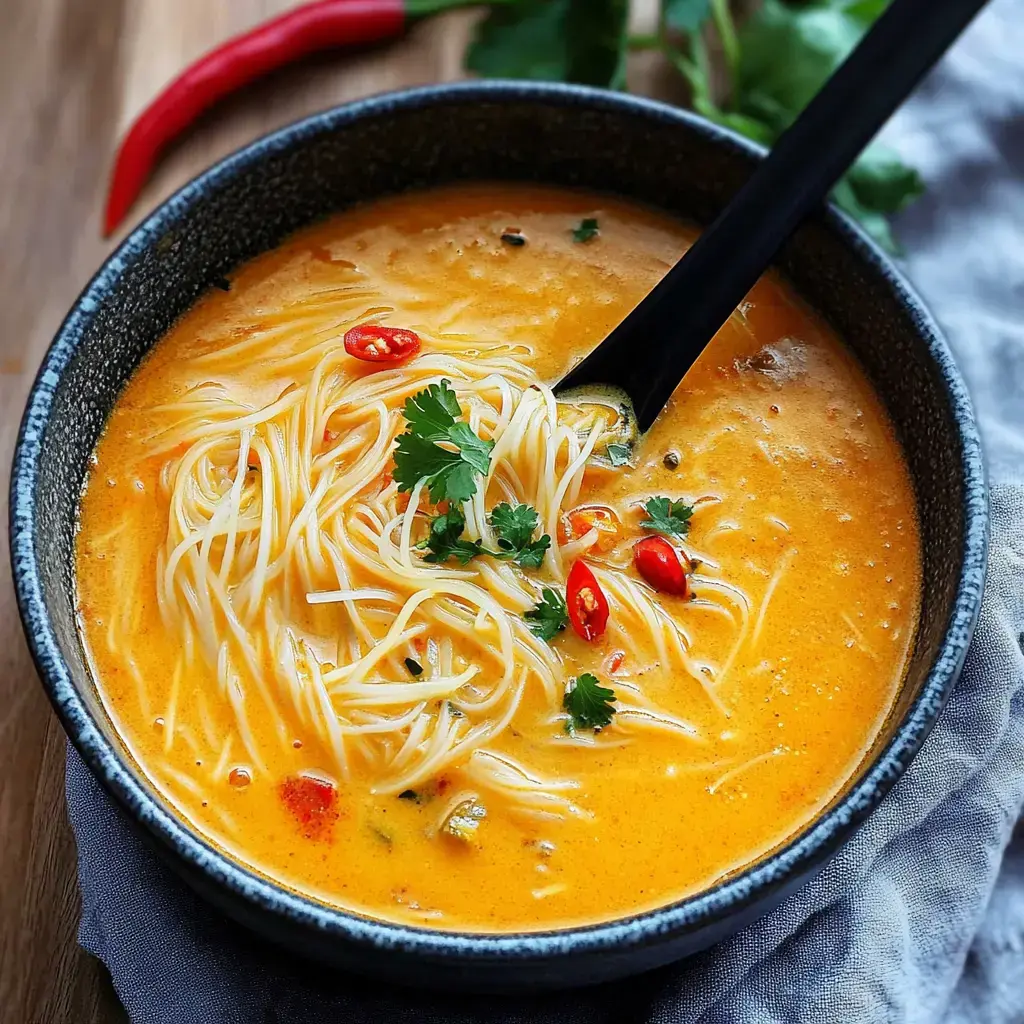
(472, 450)
(418, 458)
(777, 62)
(879, 183)
(873, 222)
(514, 524)
(866, 11)
(514, 527)
(445, 539)
(421, 8)
(432, 418)
(531, 556)
(882, 181)
(686, 15)
(588, 229)
(550, 617)
(590, 705)
(553, 40)
(787, 53)
(667, 516)
(433, 412)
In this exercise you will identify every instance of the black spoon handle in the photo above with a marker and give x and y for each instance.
(648, 354)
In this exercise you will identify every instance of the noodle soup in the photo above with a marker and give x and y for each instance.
(385, 621)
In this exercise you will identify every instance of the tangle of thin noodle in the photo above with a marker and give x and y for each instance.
(291, 566)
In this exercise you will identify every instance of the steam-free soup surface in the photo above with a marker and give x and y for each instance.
(403, 747)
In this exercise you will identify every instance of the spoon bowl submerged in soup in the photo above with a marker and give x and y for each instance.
(385, 621)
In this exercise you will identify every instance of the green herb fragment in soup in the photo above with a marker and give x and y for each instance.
(587, 230)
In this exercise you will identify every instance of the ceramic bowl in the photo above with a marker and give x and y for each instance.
(471, 132)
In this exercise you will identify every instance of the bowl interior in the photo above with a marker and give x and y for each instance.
(556, 136)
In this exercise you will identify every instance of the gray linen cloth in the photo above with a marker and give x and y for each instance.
(920, 919)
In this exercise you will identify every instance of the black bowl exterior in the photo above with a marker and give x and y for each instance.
(559, 135)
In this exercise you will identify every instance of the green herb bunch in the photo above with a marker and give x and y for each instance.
(772, 62)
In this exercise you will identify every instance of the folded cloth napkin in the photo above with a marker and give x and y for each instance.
(920, 920)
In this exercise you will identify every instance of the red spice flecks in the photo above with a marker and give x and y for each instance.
(313, 803)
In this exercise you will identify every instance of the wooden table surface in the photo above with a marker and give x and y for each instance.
(73, 74)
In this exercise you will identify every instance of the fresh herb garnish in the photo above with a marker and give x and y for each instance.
(553, 40)
(414, 667)
(514, 526)
(667, 516)
(587, 229)
(550, 617)
(767, 72)
(445, 539)
(619, 454)
(590, 705)
(432, 418)
(775, 64)
(686, 15)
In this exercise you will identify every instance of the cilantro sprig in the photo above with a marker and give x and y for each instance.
(553, 40)
(666, 516)
(445, 540)
(590, 705)
(513, 525)
(433, 419)
(770, 68)
(549, 617)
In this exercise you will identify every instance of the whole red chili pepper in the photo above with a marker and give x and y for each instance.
(658, 562)
(585, 602)
(321, 25)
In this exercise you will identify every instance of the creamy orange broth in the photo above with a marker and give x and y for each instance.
(803, 502)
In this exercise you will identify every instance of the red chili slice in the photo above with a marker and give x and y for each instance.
(376, 344)
(658, 562)
(586, 603)
(313, 802)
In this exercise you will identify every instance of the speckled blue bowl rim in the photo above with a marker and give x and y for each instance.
(822, 837)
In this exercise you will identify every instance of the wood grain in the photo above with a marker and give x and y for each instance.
(73, 74)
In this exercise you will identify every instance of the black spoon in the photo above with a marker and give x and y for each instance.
(648, 354)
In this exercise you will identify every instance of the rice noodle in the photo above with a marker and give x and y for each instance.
(291, 568)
